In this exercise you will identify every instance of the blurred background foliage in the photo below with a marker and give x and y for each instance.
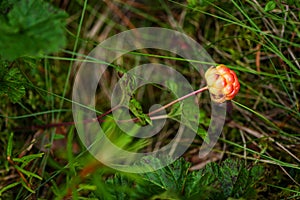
(42, 44)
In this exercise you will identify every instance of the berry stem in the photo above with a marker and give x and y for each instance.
(177, 100)
(112, 109)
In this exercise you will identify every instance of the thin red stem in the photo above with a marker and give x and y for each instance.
(111, 110)
(168, 105)
(177, 100)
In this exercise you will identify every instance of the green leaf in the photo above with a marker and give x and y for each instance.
(191, 2)
(30, 28)
(8, 187)
(6, 5)
(87, 187)
(202, 133)
(58, 137)
(11, 83)
(176, 110)
(271, 5)
(199, 3)
(168, 195)
(230, 173)
(121, 189)
(170, 178)
(26, 159)
(119, 138)
(28, 173)
(230, 179)
(136, 109)
(27, 187)
(200, 184)
(9, 145)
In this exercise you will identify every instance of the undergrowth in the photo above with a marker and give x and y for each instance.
(42, 44)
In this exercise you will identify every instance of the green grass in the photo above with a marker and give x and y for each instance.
(262, 123)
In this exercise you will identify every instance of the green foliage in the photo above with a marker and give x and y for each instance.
(136, 108)
(256, 39)
(119, 138)
(271, 5)
(25, 160)
(231, 179)
(20, 165)
(8, 187)
(169, 179)
(11, 82)
(294, 2)
(6, 5)
(203, 124)
(199, 3)
(128, 85)
(30, 28)
(9, 145)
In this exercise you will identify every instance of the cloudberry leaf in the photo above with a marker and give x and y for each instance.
(230, 180)
(30, 28)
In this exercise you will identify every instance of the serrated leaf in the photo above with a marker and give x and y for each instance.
(169, 178)
(30, 28)
(122, 187)
(199, 184)
(229, 173)
(256, 172)
(235, 178)
(230, 179)
(271, 5)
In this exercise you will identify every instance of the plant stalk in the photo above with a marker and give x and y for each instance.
(177, 100)
(112, 109)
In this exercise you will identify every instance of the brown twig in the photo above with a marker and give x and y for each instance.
(257, 57)
(119, 13)
(20, 173)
